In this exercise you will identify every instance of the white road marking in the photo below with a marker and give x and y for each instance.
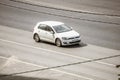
(78, 57)
(7, 61)
(72, 74)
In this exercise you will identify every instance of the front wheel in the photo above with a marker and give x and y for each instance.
(36, 37)
(58, 42)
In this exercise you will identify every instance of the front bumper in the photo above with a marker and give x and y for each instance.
(71, 42)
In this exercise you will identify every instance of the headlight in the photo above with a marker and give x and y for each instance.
(64, 38)
(77, 37)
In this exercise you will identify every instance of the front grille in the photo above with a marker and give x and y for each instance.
(71, 38)
(74, 37)
(75, 42)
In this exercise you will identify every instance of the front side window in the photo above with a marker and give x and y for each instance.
(45, 27)
(48, 29)
(61, 28)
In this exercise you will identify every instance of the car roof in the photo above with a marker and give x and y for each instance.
(51, 23)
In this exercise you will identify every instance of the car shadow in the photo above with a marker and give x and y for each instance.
(45, 42)
(5, 77)
(82, 44)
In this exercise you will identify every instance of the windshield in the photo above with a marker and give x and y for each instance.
(61, 28)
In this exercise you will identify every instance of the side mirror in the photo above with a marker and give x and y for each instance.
(52, 32)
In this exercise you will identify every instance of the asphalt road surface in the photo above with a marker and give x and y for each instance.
(73, 61)
(100, 40)
(99, 30)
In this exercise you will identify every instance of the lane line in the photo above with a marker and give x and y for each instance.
(72, 74)
(78, 57)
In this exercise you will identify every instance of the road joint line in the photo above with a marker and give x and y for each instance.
(55, 52)
(73, 74)
(64, 9)
(61, 15)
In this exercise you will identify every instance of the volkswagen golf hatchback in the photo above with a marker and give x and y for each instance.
(55, 32)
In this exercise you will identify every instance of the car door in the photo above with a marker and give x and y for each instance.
(49, 34)
(42, 31)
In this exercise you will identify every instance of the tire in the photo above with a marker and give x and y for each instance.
(58, 42)
(36, 38)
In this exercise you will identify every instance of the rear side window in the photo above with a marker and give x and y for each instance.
(45, 27)
(42, 26)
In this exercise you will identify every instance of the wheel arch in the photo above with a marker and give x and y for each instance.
(59, 39)
(34, 35)
(56, 39)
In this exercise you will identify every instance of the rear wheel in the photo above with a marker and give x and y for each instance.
(58, 42)
(36, 37)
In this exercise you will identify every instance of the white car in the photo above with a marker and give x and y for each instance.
(55, 32)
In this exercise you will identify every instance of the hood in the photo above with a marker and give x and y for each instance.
(68, 34)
